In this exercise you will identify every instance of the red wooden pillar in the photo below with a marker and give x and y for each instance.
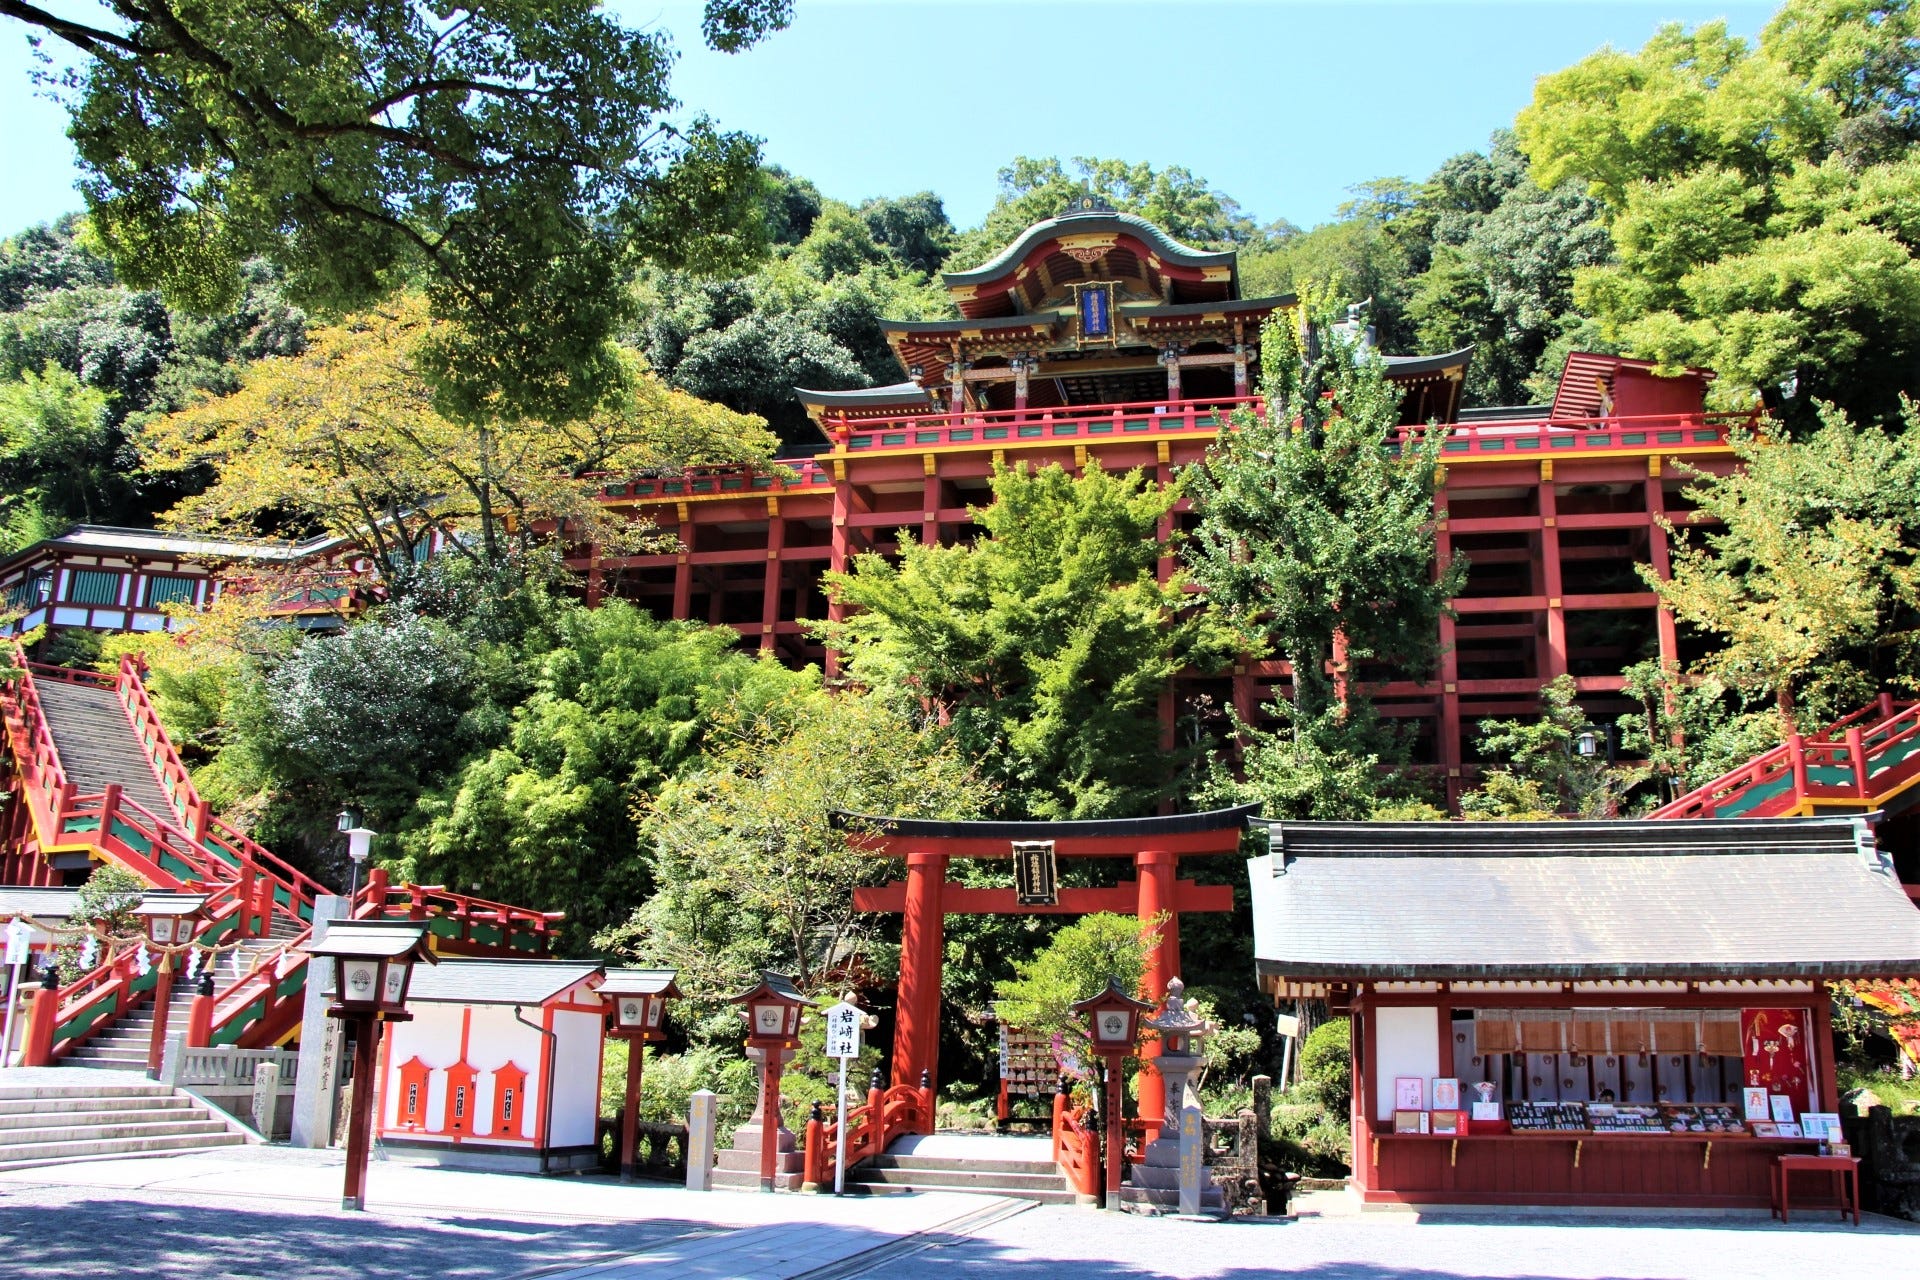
(930, 504)
(770, 586)
(1660, 556)
(1824, 1071)
(1797, 753)
(630, 1113)
(43, 1009)
(1158, 872)
(162, 999)
(1555, 659)
(360, 1114)
(200, 1012)
(1447, 738)
(596, 583)
(916, 1037)
(839, 555)
(683, 572)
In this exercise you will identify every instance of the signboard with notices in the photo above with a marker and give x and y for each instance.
(843, 1030)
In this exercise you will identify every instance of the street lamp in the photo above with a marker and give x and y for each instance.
(373, 964)
(638, 999)
(359, 845)
(169, 920)
(1113, 1026)
(773, 1007)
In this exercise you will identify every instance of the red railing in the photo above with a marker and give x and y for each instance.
(1858, 759)
(885, 1115)
(1000, 427)
(427, 901)
(1545, 437)
(1076, 1148)
(131, 689)
(1154, 419)
(784, 477)
(249, 885)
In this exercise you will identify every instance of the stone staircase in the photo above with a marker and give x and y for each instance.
(123, 1045)
(95, 740)
(55, 1115)
(1019, 1168)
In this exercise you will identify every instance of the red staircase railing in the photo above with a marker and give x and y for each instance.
(1076, 1148)
(249, 886)
(1860, 761)
(885, 1115)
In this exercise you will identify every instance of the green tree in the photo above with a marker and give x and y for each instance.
(512, 154)
(56, 456)
(107, 899)
(1760, 198)
(619, 704)
(1501, 272)
(1807, 567)
(1077, 964)
(1541, 770)
(1042, 647)
(1316, 520)
(749, 871)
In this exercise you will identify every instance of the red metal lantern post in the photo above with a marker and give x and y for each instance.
(170, 920)
(373, 963)
(773, 1009)
(1113, 1025)
(637, 1003)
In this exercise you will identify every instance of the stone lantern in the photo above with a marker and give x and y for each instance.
(1163, 1176)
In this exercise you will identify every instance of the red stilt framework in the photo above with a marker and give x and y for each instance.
(925, 898)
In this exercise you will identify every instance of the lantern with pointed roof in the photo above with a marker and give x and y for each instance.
(373, 963)
(773, 1006)
(170, 917)
(1113, 1019)
(639, 1001)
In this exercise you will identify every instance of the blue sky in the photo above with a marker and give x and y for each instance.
(1283, 105)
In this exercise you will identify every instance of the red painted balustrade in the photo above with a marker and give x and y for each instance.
(1076, 1148)
(885, 1115)
(1859, 761)
(189, 848)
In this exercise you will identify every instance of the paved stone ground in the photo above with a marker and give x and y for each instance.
(1086, 1245)
(81, 1232)
(254, 1213)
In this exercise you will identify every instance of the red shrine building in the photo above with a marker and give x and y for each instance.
(1097, 338)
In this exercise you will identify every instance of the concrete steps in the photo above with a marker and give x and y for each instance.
(93, 1115)
(97, 745)
(122, 1045)
(986, 1166)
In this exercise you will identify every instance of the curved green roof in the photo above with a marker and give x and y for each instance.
(1098, 223)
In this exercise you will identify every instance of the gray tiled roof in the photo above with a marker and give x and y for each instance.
(1810, 898)
(497, 981)
(639, 982)
(41, 904)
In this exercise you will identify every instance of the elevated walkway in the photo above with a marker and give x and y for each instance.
(95, 779)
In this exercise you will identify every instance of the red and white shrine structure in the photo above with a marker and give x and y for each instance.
(927, 896)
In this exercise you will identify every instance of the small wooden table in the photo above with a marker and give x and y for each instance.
(1846, 1181)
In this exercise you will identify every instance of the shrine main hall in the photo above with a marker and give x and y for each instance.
(1095, 337)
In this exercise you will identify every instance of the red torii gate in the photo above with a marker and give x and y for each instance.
(925, 898)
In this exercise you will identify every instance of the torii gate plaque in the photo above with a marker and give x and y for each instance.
(925, 898)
